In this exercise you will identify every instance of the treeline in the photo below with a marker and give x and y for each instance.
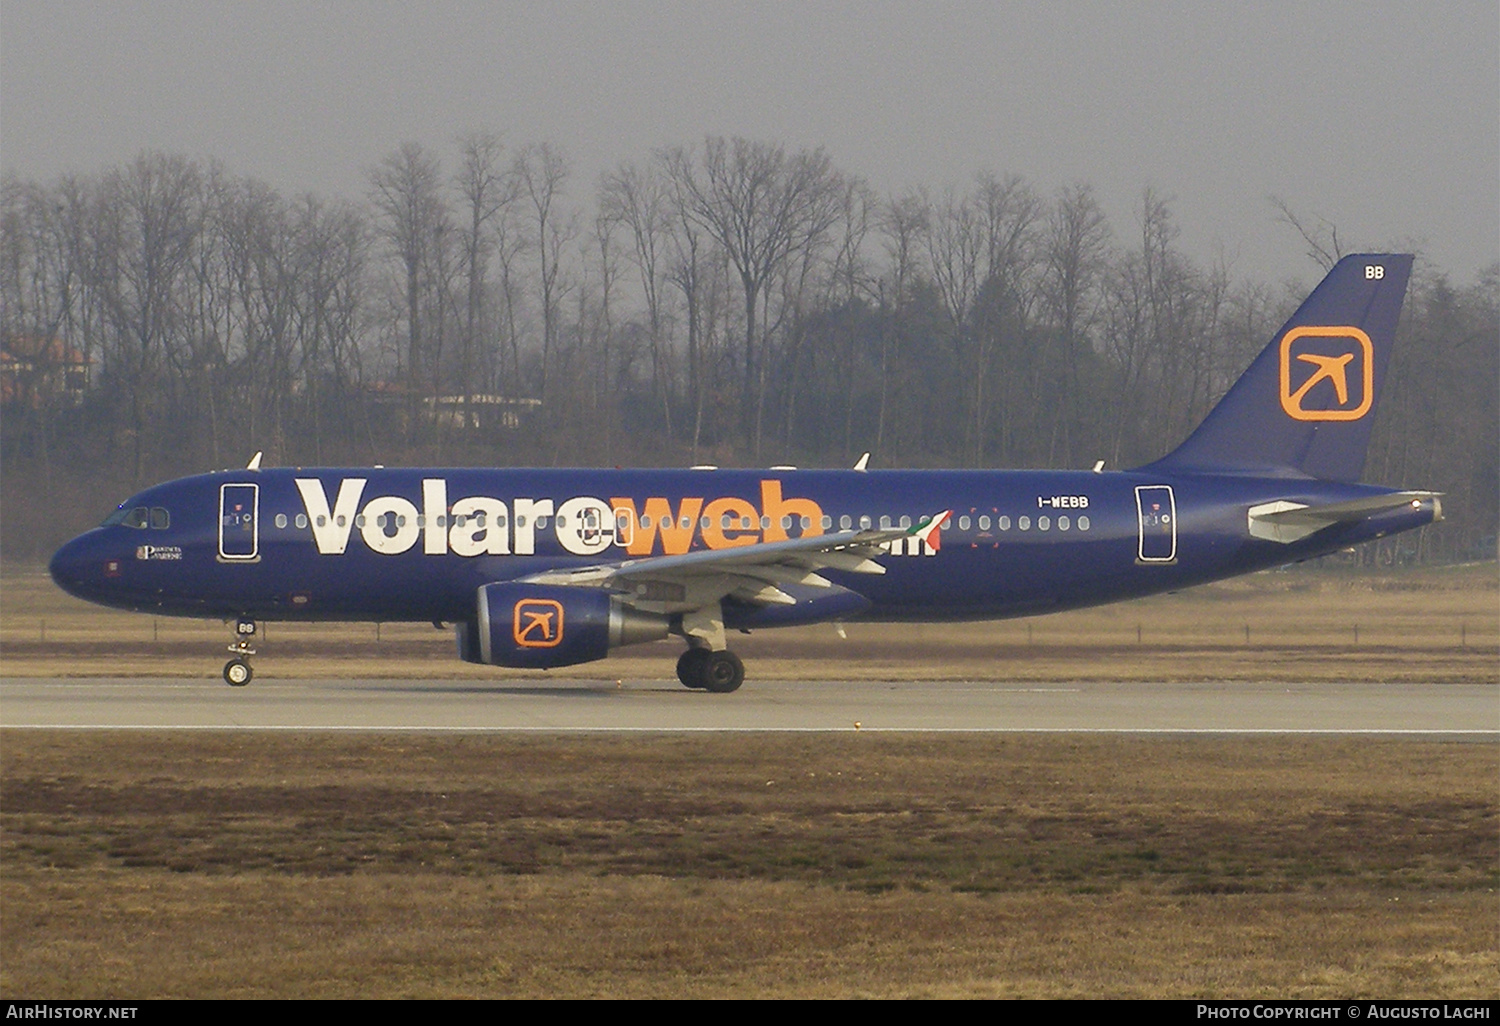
(732, 302)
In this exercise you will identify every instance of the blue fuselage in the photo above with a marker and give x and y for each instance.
(397, 544)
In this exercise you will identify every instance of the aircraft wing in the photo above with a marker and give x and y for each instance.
(695, 583)
(1287, 522)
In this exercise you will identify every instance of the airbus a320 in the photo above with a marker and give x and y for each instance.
(551, 568)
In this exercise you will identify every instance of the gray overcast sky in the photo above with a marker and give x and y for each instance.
(1383, 118)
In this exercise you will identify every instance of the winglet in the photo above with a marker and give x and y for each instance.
(254, 463)
(863, 463)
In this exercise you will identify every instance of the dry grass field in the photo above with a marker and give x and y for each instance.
(154, 864)
(321, 865)
(1440, 624)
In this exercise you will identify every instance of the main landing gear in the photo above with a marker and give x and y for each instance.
(238, 672)
(720, 672)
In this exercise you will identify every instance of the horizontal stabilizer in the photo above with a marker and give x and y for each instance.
(1287, 522)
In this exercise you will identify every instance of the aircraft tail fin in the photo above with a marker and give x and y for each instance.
(1307, 402)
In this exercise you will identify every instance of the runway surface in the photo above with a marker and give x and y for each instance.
(643, 705)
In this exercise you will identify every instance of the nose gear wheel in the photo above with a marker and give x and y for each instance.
(238, 672)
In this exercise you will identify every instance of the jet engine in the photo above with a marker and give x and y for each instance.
(539, 626)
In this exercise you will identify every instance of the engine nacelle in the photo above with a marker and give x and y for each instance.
(539, 626)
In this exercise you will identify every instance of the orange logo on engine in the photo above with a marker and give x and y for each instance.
(1327, 373)
(538, 623)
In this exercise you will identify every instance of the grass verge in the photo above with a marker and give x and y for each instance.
(160, 864)
(1433, 625)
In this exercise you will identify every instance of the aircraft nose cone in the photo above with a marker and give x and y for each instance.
(79, 569)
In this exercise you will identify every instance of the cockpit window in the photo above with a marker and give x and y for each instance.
(157, 518)
(138, 517)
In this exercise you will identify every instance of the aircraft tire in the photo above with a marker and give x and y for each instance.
(723, 672)
(237, 673)
(690, 668)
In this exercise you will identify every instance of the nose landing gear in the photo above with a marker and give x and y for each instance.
(238, 672)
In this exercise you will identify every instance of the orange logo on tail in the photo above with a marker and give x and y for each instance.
(1312, 355)
(538, 623)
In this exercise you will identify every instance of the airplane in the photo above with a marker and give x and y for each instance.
(545, 568)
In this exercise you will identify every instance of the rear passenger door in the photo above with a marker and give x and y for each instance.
(1156, 513)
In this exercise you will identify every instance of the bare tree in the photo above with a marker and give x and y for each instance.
(540, 174)
(904, 223)
(689, 269)
(258, 242)
(608, 382)
(406, 193)
(1321, 238)
(329, 257)
(955, 244)
(761, 206)
(40, 273)
(639, 200)
(142, 247)
(1008, 212)
(487, 192)
(851, 282)
(1076, 247)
